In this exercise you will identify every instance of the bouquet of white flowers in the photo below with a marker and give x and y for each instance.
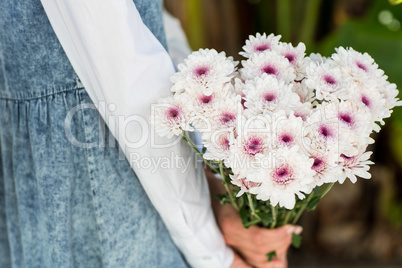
(283, 128)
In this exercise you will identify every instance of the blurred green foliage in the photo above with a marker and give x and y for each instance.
(369, 35)
(375, 35)
(395, 2)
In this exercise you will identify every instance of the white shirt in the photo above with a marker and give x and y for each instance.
(125, 69)
(176, 39)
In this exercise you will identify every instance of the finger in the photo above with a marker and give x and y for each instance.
(282, 255)
(255, 240)
(282, 235)
(278, 234)
(272, 264)
(266, 245)
(239, 262)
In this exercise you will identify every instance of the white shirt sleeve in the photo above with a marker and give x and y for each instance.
(123, 66)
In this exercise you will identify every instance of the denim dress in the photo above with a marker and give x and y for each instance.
(67, 197)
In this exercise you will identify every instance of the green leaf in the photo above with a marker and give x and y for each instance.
(266, 218)
(240, 199)
(244, 216)
(317, 189)
(204, 149)
(216, 171)
(271, 255)
(313, 203)
(223, 198)
(296, 240)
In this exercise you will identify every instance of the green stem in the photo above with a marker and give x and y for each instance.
(327, 189)
(299, 213)
(310, 22)
(230, 193)
(274, 216)
(183, 134)
(296, 218)
(287, 216)
(251, 223)
(251, 204)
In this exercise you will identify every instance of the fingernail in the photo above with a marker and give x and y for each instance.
(298, 230)
(290, 229)
(278, 265)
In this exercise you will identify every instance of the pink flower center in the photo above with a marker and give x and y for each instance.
(254, 146)
(318, 165)
(206, 99)
(283, 175)
(286, 139)
(243, 101)
(290, 57)
(366, 101)
(224, 142)
(269, 97)
(269, 70)
(173, 113)
(325, 131)
(227, 118)
(346, 118)
(348, 161)
(261, 47)
(330, 80)
(249, 184)
(201, 71)
(361, 66)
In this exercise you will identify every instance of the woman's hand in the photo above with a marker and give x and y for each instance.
(250, 244)
(239, 262)
(254, 243)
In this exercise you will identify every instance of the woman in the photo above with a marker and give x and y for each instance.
(68, 198)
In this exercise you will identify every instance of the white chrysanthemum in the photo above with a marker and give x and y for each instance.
(390, 93)
(286, 173)
(373, 101)
(305, 93)
(326, 167)
(287, 130)
(226, 113)
(217, 110)
(317, 57)
(169, 117)
(270, 63)
(243, 183)
(328, 80)
(204, 70)
(357, 165)
(325, 133)
(295, 56)
(199, 104)
(360, 66)
(259, 43)
(354, 118)
(268, 94)
(218, 144)
(252, 139)
(238, 89)
(303, 111)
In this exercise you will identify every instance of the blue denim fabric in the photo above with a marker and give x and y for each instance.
(63, 205)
